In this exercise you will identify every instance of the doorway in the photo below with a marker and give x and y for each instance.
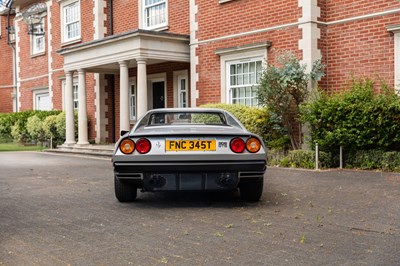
(158, 94)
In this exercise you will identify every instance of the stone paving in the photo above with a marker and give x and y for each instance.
(61, 210)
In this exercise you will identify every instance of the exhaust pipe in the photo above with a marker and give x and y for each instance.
(157, 181)
(226, 180)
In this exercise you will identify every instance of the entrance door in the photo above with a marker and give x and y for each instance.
(158, 95)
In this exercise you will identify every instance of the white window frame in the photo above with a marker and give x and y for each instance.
(74, 93)
(249, 87)
(182, 104)
(142, 16)
(178, 77)
(132, 100)
(35, 50)
(64, 33)
(40, 93)
(229, 55)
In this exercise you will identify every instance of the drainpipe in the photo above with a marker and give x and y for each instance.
(9, 6)
(111, 17)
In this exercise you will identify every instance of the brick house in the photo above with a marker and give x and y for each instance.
(114, 60)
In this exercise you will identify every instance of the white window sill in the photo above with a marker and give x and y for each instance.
(224, 1)
(38, 54)
(66, 43)
(158, 28)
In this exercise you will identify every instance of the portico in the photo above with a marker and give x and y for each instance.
(116, 55)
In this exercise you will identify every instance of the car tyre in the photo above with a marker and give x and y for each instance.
(252, 190)
(124, 191)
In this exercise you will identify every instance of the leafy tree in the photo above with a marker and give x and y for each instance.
(283, 88)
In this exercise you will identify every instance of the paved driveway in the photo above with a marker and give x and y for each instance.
(61, 210)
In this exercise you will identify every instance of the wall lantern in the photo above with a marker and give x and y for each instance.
(33, 17)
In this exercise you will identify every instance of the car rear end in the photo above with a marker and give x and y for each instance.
(190, 157)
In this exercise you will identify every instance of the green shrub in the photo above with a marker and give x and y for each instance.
(391, 161)
(364, 159)
(34, 127)
(50, 129)
(299, 159)
(61, 125)
(13, 125)
(257, 121)
(356, 119)
(372, 159)
(17, 133)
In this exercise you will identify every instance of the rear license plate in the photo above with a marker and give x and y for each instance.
(190, 145)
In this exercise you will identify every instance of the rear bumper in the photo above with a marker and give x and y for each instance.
(189, 175)
(189, 166)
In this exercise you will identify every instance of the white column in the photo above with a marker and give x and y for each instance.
(141, 87)
(69, 110)
(82, 110)
(124, 96)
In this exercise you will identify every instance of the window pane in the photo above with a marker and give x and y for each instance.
(259, 71)
(252, 73)
(155, 12)
(243, 82)
(182, 92)
(132, 102)
(71, 21)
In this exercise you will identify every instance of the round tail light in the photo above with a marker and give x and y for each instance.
(127, 146)
(143, 146)
(253, 145)
(237, 145)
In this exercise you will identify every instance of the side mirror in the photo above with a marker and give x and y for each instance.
(124, 132)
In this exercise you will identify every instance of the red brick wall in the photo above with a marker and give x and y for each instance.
(179, 16)
(6, 102)
(30, 65)
(219, 20)
(6, 70)
(126, 16)
(209, 67)
(362, 48)
(342, 9)
(6, 56)
(239, 16)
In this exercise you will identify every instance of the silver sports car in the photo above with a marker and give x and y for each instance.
(188, 149)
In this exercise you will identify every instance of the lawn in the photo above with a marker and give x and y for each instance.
(18, 147)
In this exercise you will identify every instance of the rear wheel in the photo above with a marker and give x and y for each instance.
(124, 190)
(252, 190)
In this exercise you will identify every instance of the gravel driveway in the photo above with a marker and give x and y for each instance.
(61, 210)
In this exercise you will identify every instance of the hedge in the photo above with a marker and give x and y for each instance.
(358, 119)
(256, 120)
(34, 126)
(298, 159)
(362, 159)
(13, 125)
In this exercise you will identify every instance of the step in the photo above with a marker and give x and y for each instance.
(93, 150)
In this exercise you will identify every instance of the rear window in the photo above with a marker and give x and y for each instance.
(198, 118)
